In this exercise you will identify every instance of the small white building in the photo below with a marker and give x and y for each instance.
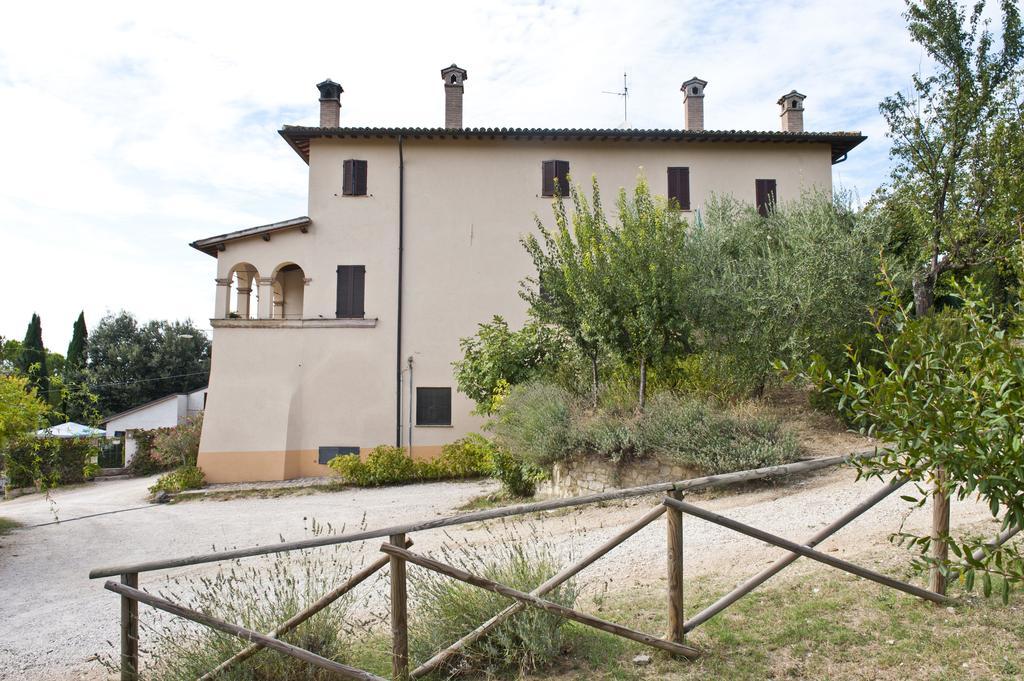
(165, 412)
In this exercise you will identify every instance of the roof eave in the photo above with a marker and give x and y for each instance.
(212, 245)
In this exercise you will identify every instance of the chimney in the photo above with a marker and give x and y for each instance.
(693, 103)
(330, 103)
(453, 77)
(792, 113)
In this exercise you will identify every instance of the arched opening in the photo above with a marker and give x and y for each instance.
(244, 292)
(288, 285)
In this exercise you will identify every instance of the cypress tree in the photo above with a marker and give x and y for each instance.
(32, 361)
(76, 349)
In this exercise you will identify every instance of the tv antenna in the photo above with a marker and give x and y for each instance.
(625, 99)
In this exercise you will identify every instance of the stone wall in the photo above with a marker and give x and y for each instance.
(592, 474)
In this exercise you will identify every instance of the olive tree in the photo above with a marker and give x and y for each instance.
(947, 396)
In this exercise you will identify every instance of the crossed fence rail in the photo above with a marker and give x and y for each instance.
(397, 554)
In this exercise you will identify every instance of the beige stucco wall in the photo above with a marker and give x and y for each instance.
(277, 394)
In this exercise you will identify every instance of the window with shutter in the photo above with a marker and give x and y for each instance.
(764, 191)
(550, 171)
(353, 180)
(351, 289)
(679, 186)
(433, 406)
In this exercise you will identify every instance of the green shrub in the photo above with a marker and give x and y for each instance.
(518, 478)
(386, 465)
(715, 440)
(259, 594)
(468, 457)
(186, 477)
(535, 423)
(179, 446)
(50, 462)
(540, 424)
(443, 610)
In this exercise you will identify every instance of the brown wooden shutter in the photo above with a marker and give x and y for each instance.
(679, 186)
(353, 181)
(351, 291)
(547, 178)
(562, 173)
(764, 191)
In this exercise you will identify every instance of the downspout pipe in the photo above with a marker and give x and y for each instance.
(398, 332)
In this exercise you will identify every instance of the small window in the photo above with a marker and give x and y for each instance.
(764, 191)
(551, 171)
(351, 289)
(325, 454)
(679, 186)
(353, 181)
(433, 406)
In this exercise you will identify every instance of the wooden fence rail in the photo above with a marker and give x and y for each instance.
(397, 556)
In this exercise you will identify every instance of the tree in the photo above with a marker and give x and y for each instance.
(936, 130)
(76, 348)
(948, 398)
(129, 364)
(782, 288)
(616, 287)
(497, 357)
(645, 282)
(32, 360)
(21, 411)
(566, 291)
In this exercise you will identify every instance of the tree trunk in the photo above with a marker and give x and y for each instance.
(940, 530)
(924, 295)
(642, 398)
(593, 380)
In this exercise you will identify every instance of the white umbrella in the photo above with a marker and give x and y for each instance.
(70, 430)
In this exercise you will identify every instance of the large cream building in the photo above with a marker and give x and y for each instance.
(336, 331)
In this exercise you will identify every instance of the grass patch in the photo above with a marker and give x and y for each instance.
(269, 493)
(493, 500)
(7, 525)
(821, 625)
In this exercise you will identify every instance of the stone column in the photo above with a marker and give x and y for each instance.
(266, 297)
(222, 304)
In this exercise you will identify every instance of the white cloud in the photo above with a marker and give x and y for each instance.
(132, 128)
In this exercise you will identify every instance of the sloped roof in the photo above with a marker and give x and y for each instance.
(298, 137)
(212, 244)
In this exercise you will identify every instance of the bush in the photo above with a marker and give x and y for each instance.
(540, 424)
(385, 465)
(162, 449)
(469, 457)
(518, 478)
(534, 423)
(50, 462)
(179, 446)
(443, 610)
(186, 477)
(259, 595)
(693, 433)
(497, 356)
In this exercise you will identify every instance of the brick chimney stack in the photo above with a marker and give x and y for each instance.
(693, 103)
(453, 77)
(792, 111)
(330, 103)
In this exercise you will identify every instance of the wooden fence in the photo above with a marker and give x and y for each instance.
(397, 555)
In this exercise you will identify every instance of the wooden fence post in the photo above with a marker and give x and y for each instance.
(130, 630)
(676, 618)
(399, 614)
(940, 530)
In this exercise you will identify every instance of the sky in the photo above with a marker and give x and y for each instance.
(131, 129)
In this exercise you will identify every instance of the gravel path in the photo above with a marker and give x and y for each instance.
(55, 620)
